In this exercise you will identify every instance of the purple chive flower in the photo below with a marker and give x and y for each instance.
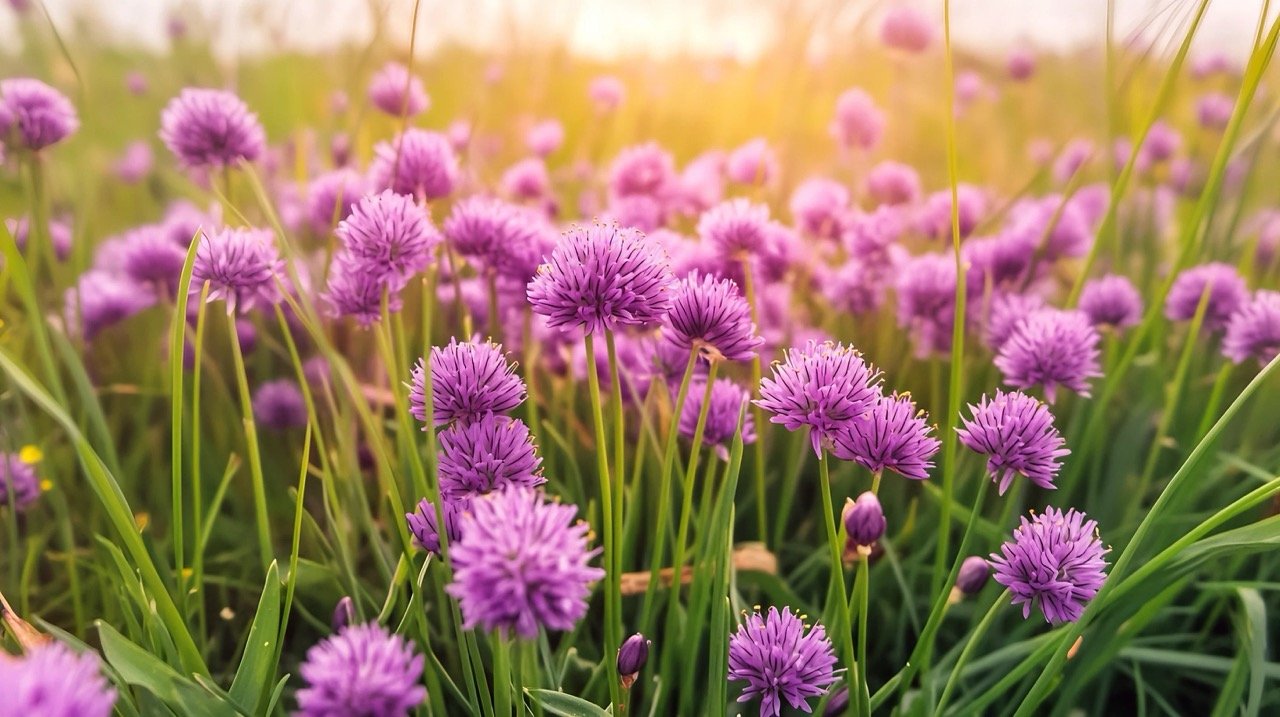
(183, 222)
(136, 83)
(1214, 110)
(632, 657)
(149, 256)
(356, 289)
(643, 169)
(606, 93)
(907, 29)
(1111, 301)
(818, 206)
(100, 299)
(363, 670)
(935, 221)
(53, 680)
(242, 267)
(397, 92)
(417, 163)
(331, 196)
(390, 235)
(711, 316)
(872, 236)
(737, 228)
(134, 163)
(1226, 288)
(522, 564)
(33, 115)
(485, 455)
(468, 380)
(1254, 330)
(856, 287)
(637, 211)
(1007, 311)
(501, 238)
(527, 180)
(1074, 156)
(893, 183)
(1002, 261)
(1161, 143)
(858, 122)
(544, 137)
(278, 405)
(780, 657)
(422, 523)
(973, 575)
(344, 613)
(754, 163)
(891, 435)
(1052, 348)
(1055, 559)
(1020, 64)
(723, 411)
(823, 386)
(602, 278)
(864, 521)
(1016, 433)
(926, 289)
(211, 128)
(18, 484)
(59, 234)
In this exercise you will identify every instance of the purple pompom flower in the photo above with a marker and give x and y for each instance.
(935, 219)
(891, 435)
(1214, 110)
(602, 278)
(390, 235)
(1020, 64)
(134, 163)
(1007, 311)
(278, 405)
(527, 181)
(149, 256)
(1226, 289)
(1055, 559)
(818, 206)
(53, 680)
(423, 524)
(1016, 433)
(19, 484)
(331, 196)
(1111, 301)
(1254, 330)
(859, 122)
(544, 137)
(416, 163)
(780, 657)
(1051, 348)
(487, 454)
(926, 292)
(907, 29)
(33, 115)
(754, 163)
(355, 289)
(738, 229)
(211, 128)
(100, 299)
(893, 183)
(856, 287)
(606, 93)
(864, 522)
(242, 267)
(711, 316)
(823, 386)
(522, 564)
(60, 234)
(643, 169)
(363, 670)
(723, 411)
(397, 92)
(468, 380)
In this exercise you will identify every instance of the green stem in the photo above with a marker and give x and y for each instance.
(197, 484)
(757, 463)
(251, 443)
(843, 627)
(501, 675)
(1215, 399)
(619, 469)
(495, 321)
(686, 505)
(613, 578)
(969, 647)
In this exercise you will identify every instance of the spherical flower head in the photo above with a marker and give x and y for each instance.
(527, 180)
(100, 299)
(33, 115)
(602, 278)
(1051, 348)
(134, 163)
(468, 380)
(1226, 289)
(1003, 261)
(356, 288)
(606, 93)
(1055, 227)
(907, 29)
(780, 657)
(1008, 309)
(818, 206)
(242, 267)
(893, 183)
(935, 220)
(1021, 64)
(522, 563)
(487, 454)
(754, 164)
(700, 185)
(278, 405)
(1016, 433)
(1214, 62)
(1162, 142)
(856, 287)
(823, 386)
(19, 484)
(53, 680)
(397, 92)
(363, 670)
(711, 316)
(390, 234)
(1254, 330)
(149, 256)
(423, 522)
(858, 123)
(973, 574)
(926, 290)
(723, 411)
(545, 137)
(1055, 559)
(864, 521)
(643, 169)
(1214, 109)
(331, 196)
(1074, 156)
(207, 128)
(638, 211)
(891, 435)
(738, 228)
(1111, 301)
(59, 228)
(416, 163)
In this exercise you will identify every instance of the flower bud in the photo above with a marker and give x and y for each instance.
(838, 704)
(631, 658)
(864, 522)
(343, 614)
(974, 572)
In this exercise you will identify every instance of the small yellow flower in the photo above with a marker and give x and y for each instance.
(46, 485)
(30, 454)
(142, 520)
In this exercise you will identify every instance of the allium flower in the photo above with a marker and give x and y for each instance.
(926, 291)
(601, 278)
(422, 523)
(363, 670)
(211, 128)
(502, 238)
(643, 169)
(354, 289)
(544, 137)
(59, 229)
(893, 183)
(18, 483)
(397, 92)
(1055, 559)
(468, 380)
(864, 521)
(824, 386)
(1021, 64)
(278, 405)
(149, 256)
(1051, 348)
(1073, 157)
(891, 435)
(754, 163)
(856, 287)
(727, 401)
(389, 234)
(632, 657)
(522, 564)
(859, 122)
(33, 115)
(136, 83)
(710, 315)
(100, 299)
(135, 162)
(1003, 261)
(737, 228)
(818, 206)
(700, 185)
(1008, 309)
(935, 220)
(1214, 109)
(183, 222)
(637, 211)
(1111, 301)
(1161, 143)
(1226, 289)
(418, 163)
(1016, 433)
(780, 657)
(53, 680)
(1215, 62)
(1254, 330)
(1069, 236)
(906, 28)
(485, 455)
(527, 180)
(973, 574)
(331, 196)
(241, 265)
(606, 92)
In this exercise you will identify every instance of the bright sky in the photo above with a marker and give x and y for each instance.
(605, 27)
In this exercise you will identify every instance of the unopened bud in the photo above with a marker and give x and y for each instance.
(631, 658)
(343, 614)
(974, 572)
(838, 704)
(864, 522)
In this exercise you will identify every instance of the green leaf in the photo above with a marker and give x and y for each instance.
(138, 667)
(257, 666)
(565, 705)
(1252, 626)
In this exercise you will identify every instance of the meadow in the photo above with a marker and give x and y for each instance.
(873, 375)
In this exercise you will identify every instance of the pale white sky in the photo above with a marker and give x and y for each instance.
(606, 27)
